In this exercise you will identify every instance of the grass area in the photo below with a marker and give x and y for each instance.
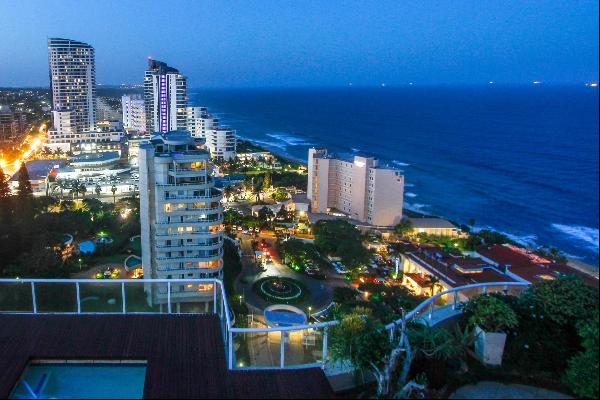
(136, 246)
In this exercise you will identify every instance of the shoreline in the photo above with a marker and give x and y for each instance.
(582, 266)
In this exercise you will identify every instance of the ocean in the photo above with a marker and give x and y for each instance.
(520, 160)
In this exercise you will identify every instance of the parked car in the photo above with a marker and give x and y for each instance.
(339, 268)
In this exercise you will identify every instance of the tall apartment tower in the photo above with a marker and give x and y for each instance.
(165, 98)
(359, 188)
(73, 81)
(200, 121)
(134, 113)
(181, 214)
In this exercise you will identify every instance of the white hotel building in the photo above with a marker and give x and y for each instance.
(181, 214)
(359, 188)
(220, 141)
(134, 114)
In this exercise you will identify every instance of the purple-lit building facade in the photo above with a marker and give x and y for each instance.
(165, 98)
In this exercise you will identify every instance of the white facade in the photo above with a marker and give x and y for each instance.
(199, 121)
(165, 98)
(221, 143)
(181, 213)
(134, 114)
(107, 136)
(360, 188)
(105, 112)
(73, 81)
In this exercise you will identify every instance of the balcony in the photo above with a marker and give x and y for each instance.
(204, 256)
(194, 222)
(296, 347)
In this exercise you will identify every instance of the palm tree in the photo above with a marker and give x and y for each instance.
(74, 187)
(432, 282)
(228, 192)
(82, 189)
(113, 189)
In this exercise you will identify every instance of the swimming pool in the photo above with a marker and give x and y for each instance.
(87, 247)
(86, 380)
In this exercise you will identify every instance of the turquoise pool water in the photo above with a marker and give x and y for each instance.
(82, 381)
(87, 247)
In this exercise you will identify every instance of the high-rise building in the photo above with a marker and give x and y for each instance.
(359, 188)
(73, 81)
(221, 143)
(181, 214)
(134, 114)
(200, 121)
(105, 111)
(12, 124)
(165, 98)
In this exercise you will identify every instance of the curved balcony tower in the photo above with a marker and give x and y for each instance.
(181, 212)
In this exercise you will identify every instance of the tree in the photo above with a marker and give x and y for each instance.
(360, 340)
(490, 313)
(582, 373)
(280, 194)
(227, 192)
(266, 183)
(404, 227)
(432, 282)
(4, 188)
(24, 189)
(265, 214)
(113, 189)
(98, 189)
(565, 301)
(340, 238)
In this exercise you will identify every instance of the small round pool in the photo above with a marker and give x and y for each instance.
(282, 315)
(87, 247)
(132, 262)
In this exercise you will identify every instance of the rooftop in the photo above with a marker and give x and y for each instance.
(529, 265)
(185, 354)
(431, 223)
(96, 157)
(38, 169)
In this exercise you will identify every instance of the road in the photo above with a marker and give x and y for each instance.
(31, 143)
(321, 291)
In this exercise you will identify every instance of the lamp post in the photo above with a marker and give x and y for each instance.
(80, 264)
(309, 312)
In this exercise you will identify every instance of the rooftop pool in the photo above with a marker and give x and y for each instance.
(81, 380)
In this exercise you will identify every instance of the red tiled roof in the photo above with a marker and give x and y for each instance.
(530, 266)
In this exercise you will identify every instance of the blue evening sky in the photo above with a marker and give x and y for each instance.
(310, 43)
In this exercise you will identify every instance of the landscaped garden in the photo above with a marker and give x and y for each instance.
(550, 332)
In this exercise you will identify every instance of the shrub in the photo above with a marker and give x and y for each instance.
(491, 314)
(565, 301)
(582, 373)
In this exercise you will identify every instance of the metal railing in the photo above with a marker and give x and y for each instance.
(276, 347)
(296, 346)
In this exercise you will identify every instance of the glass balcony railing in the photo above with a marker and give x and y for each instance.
(254, 347)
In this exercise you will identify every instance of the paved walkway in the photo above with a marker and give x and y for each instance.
(496, 390)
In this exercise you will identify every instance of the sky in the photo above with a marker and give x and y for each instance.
(310, 43)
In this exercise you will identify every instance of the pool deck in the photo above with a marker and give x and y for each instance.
(185, 354)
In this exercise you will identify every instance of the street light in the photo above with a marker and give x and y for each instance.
(309, 312)
(80, 264)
